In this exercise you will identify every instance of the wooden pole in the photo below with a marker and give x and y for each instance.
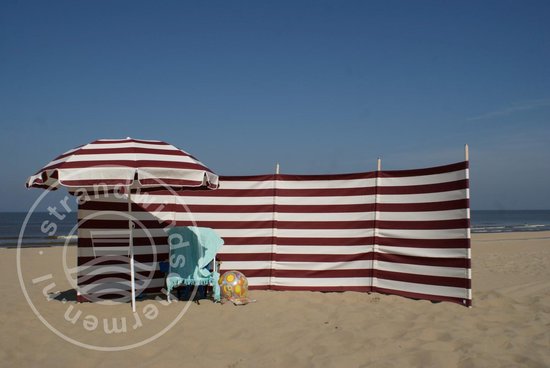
(131, 244)
(468, 216)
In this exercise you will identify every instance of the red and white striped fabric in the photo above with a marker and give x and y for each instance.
(422, 234)
(395, 232)
(117, 162)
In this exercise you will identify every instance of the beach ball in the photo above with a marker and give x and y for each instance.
(234, 287)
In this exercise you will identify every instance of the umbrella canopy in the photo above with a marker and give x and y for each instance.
(132, 163)
(124, 162)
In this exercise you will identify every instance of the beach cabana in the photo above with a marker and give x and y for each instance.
(124, 165)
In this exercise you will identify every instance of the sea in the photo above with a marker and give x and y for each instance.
(43, 229)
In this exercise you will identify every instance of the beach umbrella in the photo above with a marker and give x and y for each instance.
(130, 163)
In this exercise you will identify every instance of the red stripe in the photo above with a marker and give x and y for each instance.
(362, 289)
(106, 260)
(324, 225)
(132, 150)
(425, 188)
(231, 193)
(245, 257)
(248, 178)
(96, 182)
(251, 273)
(325, 241)
(423, 243)
(215, 208)
(327, 177)
(329, 258)
(228, 224)
(126, 163)
(323, 273)
(251, 240)
(84, 279)
(171, 182)
(131, 140)
(202, 208)
(436, 298)
(424, 261)
(326, 208)
(423, 279)
(138, 242)
(427, 171)
(423, 225)
(323, 257)
(220, 208)
(427, 206)
(324, 192)
(122, 224)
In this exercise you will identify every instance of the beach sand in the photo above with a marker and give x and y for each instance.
(508, 325)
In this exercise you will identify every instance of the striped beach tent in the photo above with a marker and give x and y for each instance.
(113, 164)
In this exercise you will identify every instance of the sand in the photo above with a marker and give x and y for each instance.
(508, 325)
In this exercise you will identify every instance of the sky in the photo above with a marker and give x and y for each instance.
(318, 86)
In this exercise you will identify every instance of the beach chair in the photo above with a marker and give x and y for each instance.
(192, 259)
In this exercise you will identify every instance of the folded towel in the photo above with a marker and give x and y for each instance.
(192, 250)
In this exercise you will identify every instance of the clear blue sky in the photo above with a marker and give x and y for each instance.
(319, 86)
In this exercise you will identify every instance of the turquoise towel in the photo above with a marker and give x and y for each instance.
(192, 250)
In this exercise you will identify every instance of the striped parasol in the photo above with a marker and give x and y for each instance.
(129, 163)
(124, 162)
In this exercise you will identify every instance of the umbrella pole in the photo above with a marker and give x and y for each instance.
(131, 244)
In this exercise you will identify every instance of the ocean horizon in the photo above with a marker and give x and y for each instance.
(482, 221)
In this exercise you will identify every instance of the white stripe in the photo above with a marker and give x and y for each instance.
(327, 216)
(106, 251)
(423, 216)
(325, 184)
(246, 265)
(421, 270)
(227, 200)
(244, 233)
(421, 288)
(421, 198)
(167, 147)
(175, 157)
(258, 281)
(232, 249)
(325, 249)
(160, 173)
(163, 216)
(179, 216)
(425, 252)
(314, 281)
(321, 233)
(423, 234)
(423, 179)
(235, 217)
(151, 233)
(247, 185)
(95, 173)
(325, 200)
(138, 233)
(323, 266)
(155, 199)
(119, 268)
(117, 287)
